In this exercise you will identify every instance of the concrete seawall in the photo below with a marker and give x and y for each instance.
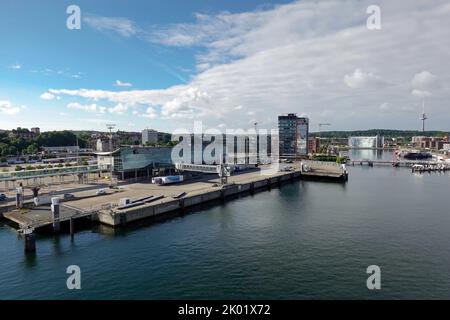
(107, 210)
(117, 217)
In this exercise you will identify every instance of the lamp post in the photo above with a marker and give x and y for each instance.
(257, 144)
(110, 127)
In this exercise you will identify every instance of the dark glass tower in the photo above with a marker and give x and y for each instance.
(293, 136)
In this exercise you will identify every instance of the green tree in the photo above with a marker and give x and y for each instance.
(57, 139)
(32, 149)
(12, 150)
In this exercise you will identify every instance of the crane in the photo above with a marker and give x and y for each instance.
(320, 134)
(322, 125)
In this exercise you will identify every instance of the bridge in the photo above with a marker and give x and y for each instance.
(205, 168)
(394, 163)
(222, 170)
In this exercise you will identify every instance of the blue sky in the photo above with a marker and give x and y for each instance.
(164, 64)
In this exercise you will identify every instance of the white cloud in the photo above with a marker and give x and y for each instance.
(118, 109)
(423, 80)
(119, 83)
(47, 96)
(7, 108)
(188, 103)
(407, 108)
(420, 93)
(423, 83)
(360, 79)
(87, 107)
(16, 66)
(150, 113)
(301, 57)
(122, 26)
(385, 106)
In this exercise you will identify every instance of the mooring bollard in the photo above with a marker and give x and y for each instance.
(55, 214)
(30, 241)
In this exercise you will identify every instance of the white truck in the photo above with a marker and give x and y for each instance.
(167, 179)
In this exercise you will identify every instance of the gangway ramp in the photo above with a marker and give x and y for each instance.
(205, 168)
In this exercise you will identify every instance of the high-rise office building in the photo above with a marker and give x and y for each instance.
(293, 136)
(149, 136)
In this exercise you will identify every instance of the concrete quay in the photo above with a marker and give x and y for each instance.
(106, 208)
(244, 184)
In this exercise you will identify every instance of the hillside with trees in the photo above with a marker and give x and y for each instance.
(12, 145)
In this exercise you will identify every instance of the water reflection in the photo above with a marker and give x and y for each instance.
(30, 260)
(369, 154)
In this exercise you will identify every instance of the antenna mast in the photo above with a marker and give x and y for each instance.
(424, 116)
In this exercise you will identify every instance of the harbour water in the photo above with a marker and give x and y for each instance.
(306, 240)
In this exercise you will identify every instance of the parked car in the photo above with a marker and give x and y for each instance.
(68, 196)
(100, 191)
(3, 197)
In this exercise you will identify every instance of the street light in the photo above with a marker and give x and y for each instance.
(110, 127)
(257, 144)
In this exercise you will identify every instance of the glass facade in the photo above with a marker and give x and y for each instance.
(293, 136)
(366, 142)
(127, 159)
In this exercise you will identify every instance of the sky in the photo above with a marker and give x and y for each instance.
(227, 63)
